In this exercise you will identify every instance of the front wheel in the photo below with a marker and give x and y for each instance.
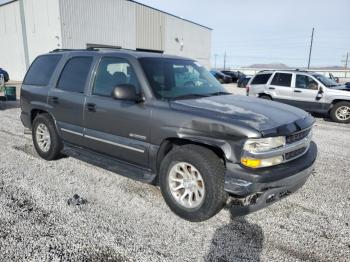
(340, 112)
(192, 182)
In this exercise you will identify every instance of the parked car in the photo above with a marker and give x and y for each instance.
(307, 90)
(235, 75)
(222, 78)
(127, 112)
(243, 81)
(5, 75)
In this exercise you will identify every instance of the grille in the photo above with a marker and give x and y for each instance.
(295, 153)
(297, 136)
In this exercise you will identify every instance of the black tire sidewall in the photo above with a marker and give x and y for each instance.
(212, 172)
(333, 112)
(266, 97)
(56, 144)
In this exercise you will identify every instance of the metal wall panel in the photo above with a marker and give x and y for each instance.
(42, 20)
(150, 28)
(187, 39)
(11, 42)
(108, 22)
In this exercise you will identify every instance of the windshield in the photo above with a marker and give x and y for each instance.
(326, 81)
(178, 79)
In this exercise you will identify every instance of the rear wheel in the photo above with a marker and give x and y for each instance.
(45, 138)
(192, 182)
(266, 97)
(341, 112)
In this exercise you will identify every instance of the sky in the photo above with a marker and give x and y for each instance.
(269, 31)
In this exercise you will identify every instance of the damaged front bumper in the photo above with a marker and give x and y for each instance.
(254, 189)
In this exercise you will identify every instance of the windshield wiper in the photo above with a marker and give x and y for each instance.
(189, 96)
(219, 93)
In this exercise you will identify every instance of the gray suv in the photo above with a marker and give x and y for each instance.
(307, 90)
(165, 120)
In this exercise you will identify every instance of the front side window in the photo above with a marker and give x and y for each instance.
(261, 79)
(40, 72)
(305, 82)
(113, 71)
(175, 78)
(74, 75)
(282, 79)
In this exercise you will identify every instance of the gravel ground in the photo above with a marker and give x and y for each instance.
(70, 210)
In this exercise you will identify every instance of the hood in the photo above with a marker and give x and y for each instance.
(340, 89)
(267, 117)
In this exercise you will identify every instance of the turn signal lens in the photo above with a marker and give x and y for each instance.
(253, 163)
(257, 163)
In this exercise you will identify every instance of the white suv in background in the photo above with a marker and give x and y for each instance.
(307, 90)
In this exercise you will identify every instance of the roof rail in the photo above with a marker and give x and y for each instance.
(98, 47)
(65, 50)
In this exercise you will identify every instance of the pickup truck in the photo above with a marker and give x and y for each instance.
(132, 113)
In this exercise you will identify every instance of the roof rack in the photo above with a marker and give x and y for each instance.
(98, 47)
(91, 47)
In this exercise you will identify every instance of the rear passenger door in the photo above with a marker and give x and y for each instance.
(280, 87)
(67, 98)
(118, 128)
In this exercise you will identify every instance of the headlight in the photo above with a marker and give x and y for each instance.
(260, 145)
(264, 144)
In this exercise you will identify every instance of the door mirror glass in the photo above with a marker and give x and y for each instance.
(126, 92)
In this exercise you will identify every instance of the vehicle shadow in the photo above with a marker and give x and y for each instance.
(240, 240)
(4, 105)
(323, 116)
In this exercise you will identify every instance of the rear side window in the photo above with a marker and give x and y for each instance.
(41, 70)
(261, 79)
(74, 74)
(282, 79)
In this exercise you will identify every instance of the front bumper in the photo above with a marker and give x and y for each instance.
(254, 189)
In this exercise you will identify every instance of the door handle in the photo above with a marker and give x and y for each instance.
(91, 107)
(297, 91)
(54, 99)
(272, 88)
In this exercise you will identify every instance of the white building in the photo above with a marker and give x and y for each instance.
(32, 27)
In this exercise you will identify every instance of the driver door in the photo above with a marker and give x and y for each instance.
(118, 128)
(305, 93)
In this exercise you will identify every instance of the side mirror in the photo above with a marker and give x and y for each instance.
(127, 92)
(319, 94)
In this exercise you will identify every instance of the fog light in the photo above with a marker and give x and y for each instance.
(256, 163)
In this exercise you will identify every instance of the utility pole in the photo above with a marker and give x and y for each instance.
(346, 61)
(225, 61)
(312, 40)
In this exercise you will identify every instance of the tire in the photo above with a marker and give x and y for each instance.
(266, 97)
(55, 146)
(212, 171)
(336, 114)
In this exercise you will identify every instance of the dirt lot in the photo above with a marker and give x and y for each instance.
(119, 219)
